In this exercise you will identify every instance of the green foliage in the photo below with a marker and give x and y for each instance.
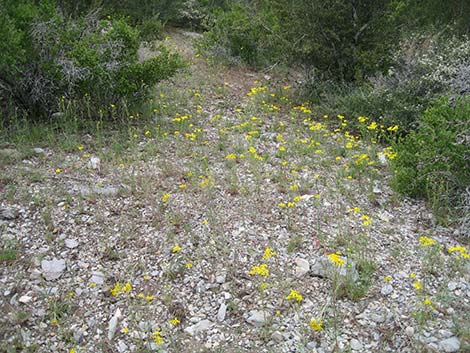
(246, 35)
(50, 60)
(336, 39)
(426, 67)
(433, 162)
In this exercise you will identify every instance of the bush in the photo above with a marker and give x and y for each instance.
(434, 161)
(244, 35)
(49, 59)
(425, 68)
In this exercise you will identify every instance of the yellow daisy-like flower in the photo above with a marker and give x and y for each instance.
(174, 321)
(176, 249)
(294, 295)
(165, 197)
(125, 330)
(387, 278)
(417, 285)
(426, 242)
(117, 289)
(261, 270)
(58, 170)
(427, 302)
(127, 287)
(316, 325)
(268, 253)
(336, 259)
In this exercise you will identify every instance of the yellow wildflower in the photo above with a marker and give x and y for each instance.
(425, 241)
(362, 119)
(149, 298)
(189, 265)
(165, 197)
(174, 321)
(127, 287)
(268, 253)
(417, 285)
(117, 289)
(316, 325)
(294, 295)
(366, 220)
(176, 249)
(372, 126)
(125, 330)
(387, 278)
(261, 270)
(72, 350)
(427, 302)
(231, 156)
(336, 259)
(157, 338)
(58, 170)
(412, 275)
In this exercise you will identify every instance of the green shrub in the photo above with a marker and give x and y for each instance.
(244, 35)
(50, 60)
(425, 68)
(434, 161)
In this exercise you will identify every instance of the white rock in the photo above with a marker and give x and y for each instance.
(409, 331)
(39, 151)
(450, 345)
(52, 270)
(94, 162)
(199, 327)
(387, 289)
(71, 243)
(222, 312)
(257, 318)
(301, 267)
(97, 277)
(356, 345)
(122, 347)
(277, 336)
(221, 278)
(25, 299)
(452, 286)
(112, 327)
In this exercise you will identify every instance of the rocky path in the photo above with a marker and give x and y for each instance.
(234, 219)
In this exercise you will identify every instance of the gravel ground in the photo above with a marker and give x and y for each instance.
(190, 233)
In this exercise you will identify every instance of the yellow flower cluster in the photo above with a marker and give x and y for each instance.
(336, 259)
(316, 325)
(157, 337)
(261, 270)
(426, 241)
(294, 296)
(175, 321)
(461, 250)
(388, 152)
(268, 253)
(119, 288)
